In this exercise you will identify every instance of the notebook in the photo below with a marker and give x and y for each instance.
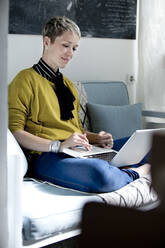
(133, 151)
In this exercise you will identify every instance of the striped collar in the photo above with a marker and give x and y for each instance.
(45, 70)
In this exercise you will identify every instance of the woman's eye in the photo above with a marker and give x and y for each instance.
(67, 46)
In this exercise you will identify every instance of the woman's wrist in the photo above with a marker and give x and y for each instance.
(54, 146)
(92, 137)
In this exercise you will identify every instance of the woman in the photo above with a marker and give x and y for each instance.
(43, 116)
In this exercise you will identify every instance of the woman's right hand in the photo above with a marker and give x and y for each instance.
(76, 139)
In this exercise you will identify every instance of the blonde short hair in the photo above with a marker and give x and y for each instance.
(56, 26)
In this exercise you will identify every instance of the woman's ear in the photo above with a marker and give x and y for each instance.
(46, 42)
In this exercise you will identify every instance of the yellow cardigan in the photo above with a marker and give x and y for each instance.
(34, 107)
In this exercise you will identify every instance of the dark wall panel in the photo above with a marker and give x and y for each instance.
(96, 18)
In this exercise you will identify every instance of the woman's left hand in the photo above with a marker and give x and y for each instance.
(105, 139)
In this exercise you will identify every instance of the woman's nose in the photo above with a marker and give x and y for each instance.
(70, 52)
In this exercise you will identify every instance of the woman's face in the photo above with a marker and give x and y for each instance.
(59, 53)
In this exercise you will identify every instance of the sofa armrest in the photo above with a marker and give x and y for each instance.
(153, 119)
(151, 113)
(16, 168)
(15, 181)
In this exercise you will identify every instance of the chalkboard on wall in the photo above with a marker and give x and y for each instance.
(96, 18)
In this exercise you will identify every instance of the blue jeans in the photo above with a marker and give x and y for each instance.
(88, 175)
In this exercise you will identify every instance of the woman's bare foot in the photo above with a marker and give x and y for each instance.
(142, 170)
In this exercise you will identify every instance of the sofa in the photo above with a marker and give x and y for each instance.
(42, 213)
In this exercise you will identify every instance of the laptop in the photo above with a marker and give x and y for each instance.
(133, 151)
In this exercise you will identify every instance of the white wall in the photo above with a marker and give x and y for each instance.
(151, 81)
(96, 59)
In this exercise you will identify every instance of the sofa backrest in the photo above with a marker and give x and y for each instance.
(105, 106)
(108, 93)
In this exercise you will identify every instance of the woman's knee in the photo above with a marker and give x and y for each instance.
(108, 178)
(103, 176)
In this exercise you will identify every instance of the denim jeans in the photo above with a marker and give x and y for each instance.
(88, 175)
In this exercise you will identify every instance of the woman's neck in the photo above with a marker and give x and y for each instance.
(53, 67)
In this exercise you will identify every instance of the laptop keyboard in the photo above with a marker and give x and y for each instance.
(108, 156)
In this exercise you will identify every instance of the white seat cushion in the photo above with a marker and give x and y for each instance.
(49, 209)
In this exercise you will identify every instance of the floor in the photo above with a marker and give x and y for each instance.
(68, 243)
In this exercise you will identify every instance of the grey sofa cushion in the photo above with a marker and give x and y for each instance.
(120, 121)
